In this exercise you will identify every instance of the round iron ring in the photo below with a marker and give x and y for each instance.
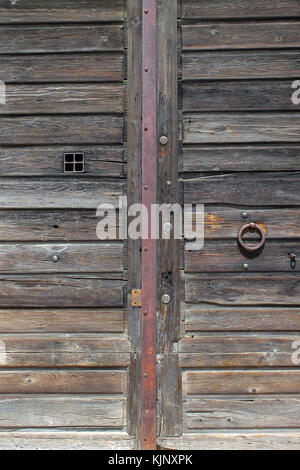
(244, 229)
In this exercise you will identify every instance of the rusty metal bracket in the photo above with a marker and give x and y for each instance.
(136, 298)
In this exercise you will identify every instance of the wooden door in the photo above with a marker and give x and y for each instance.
(240, 157)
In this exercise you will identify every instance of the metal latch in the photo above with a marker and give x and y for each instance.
(136, 298)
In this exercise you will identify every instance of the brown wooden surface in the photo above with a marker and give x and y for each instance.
(241, 36)
(225, 9)
(240, 64)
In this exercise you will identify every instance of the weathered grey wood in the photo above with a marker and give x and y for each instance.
(46, 161)
(225, 223)
(89, 129)
(237, 350)
(241, 35)
(60, 193)
(79, 38)
(64, 440)
(238, 440)
(60, 291)
(57, 411)
(233, 65)
(250, 95)
(242, 158)
(257, 189)
(62, 98)
(225, 256)
(244, 289)
(64, 351)
(49, 225)
(242, 412)
(216, 318)
(71, 257)
(243, 381)
(229, 128)
(61, 321)
(242, 9)
(56, 11)
(56, 381)
(62, 68)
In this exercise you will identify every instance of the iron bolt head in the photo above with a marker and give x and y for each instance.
(163, 140)
(244, 215)
(168, 227)
(246, 266)
(166, 299)
(55, 258)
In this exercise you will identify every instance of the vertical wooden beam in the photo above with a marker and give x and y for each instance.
(149, 246)
(134, 146)
(170, 394)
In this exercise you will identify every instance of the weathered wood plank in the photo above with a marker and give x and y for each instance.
(61, 321)
(240, 36)
(214, 318)
(60, 193)
(63, 351)
(257, 189)
(225, 223)
(58, 11)
(49, 225)
(64, 440)
(229, 128)
(242, 412)
(56, 381)
(247, 289)
(242, 9)
(241, 158)
(62, 68)
(237, 350)
(60, 291)
(42, 39)
(234, 65)
(243, 381)
(57, 411)
(247, 440)
(79, 98)
(70, 257)
(260, 95)
(89, 129)
(47, 161)
(226, 256)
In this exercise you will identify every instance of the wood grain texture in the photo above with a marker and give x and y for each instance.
(35, 439)
(238, 65)
(258, 95)
(244, 289)
(64, 351)
(38, 411)
(43, 99)
(257, 189)
(240, 36)
(95, 67)
(242, 412)
(242, 158)
(224, 9)
(238, 440)
(57, 11)
(232, 318)
(41, 39)
(236, 128)
(59, 193)
(243, 381)
(226, 256)
(89, 129)
(237, 350)
(60, 291)
(71, 257)
(61, 321)
(65, 382)
(100, 160)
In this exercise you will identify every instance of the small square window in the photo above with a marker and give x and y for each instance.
(73, 162)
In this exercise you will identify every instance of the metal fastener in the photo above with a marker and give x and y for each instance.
(245, 266)
(166, 299)
(168, 227)
(244, 215)
(55, 258)
(163, 140)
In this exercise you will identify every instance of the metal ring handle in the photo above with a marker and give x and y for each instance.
(246, 228)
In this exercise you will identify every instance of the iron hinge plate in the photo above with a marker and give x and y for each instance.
(136, 298)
